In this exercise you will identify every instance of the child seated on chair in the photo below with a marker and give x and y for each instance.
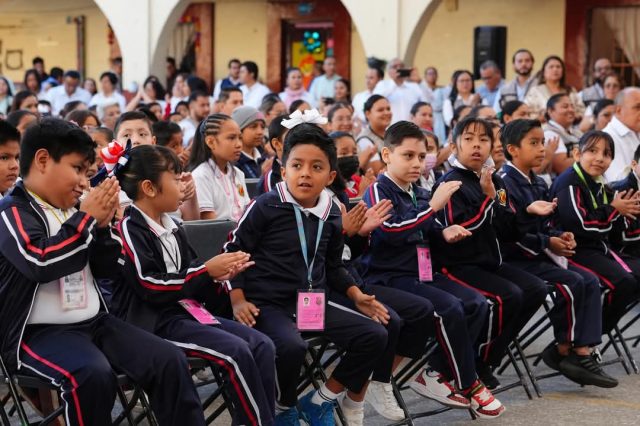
(54, 324)
(543, 251)
(277, 133)
(294, 234)
(162, 285)
(628, 239)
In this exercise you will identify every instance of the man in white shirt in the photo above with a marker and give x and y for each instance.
(400, 93)
(232, 80)
(252, 90)
(517, 88)
(371, 78)
(198, 110)
(491, 75)
(624, 128)
(323, 86)
(69, 91)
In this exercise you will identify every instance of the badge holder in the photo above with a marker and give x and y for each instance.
(425, 269)
(73, 291)
(310, 312)
(199, 312)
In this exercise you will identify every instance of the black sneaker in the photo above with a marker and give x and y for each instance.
(585, 370)
(485, 373)
(552, 357)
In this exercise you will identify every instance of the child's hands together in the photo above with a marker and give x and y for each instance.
(227, 265)
(102, 201)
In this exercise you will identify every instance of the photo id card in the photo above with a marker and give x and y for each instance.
(425, 271)
(310, 310)
(199, 312)
(73, 291)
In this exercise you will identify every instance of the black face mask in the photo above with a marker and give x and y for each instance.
(348, 166)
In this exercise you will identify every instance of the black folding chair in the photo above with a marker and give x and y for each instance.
(16, 382)
(208, 236)
(252, 187)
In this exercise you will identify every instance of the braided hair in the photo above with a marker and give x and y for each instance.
(200, 151)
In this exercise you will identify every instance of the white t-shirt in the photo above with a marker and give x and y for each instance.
(100, 98)
(47, 306)
(223, 193)
(401, 97)
(253, 95)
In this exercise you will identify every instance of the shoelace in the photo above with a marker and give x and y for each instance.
(591, 364)
(389, 399)
(484, 397)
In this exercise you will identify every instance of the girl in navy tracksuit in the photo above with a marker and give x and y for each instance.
(543, 251)
(628, 240)
(592, 212)
(392, 260)
(162, 284)
(482, 207)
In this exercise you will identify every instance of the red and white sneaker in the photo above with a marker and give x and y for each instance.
(483, 403)
(434, 385)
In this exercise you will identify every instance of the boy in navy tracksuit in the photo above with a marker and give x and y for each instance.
(294, 235)
(576, 312)
(593, 213)
(482, 206)
(392, 260)
(628, 239)
(277, 132)
(54, 324)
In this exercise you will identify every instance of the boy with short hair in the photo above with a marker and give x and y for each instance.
(134, 125)
(483, 208)
(9, 154)
(252, 124)
(229, 100)
(294, 235)
(54, 324)
(576, 313)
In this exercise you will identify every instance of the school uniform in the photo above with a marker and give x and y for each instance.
(271, 178)
(159, 269)
(251, 166)
(391, 260)
(627, 240)
(584, 209)
(576, 313)
(268, 230)
(48, 260)
(223, 193)
(476, 261)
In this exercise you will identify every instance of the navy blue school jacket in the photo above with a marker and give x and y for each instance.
(576, 213)
(392, 246)
(627, 239)
(536, 230)
(29, 255)
(250, 168)
(145, 293)
(269, 179)
(268, 231)
(487, 219)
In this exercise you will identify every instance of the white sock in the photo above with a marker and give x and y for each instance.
(351, 404)
(323, 395)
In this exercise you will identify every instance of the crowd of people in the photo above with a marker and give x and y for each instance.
(409, 213)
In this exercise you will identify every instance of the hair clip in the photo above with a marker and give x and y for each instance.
(310, 116)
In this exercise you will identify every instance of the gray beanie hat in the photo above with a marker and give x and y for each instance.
(246, 115)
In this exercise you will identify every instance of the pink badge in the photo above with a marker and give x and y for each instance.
(425, 271)
(310, 310)
(199, 312)
(620, 261)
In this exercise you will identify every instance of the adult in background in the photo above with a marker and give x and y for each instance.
(551, 81)
(38, 65)
(491, 75)
(108, 112)
(517, 89)
(462, 93)
(31, 81)
(400, 93)
(6, 95)
(198, 111)
(429, 84)
(295, 90)
(595, 92)
(624, 128)
(69, 91)
(108, 86)
(231, 80)
(252, 90)
(371, 78)
(323, 86)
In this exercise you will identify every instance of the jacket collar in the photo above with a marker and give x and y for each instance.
(320, 210)
(168, 225)
(517, 174)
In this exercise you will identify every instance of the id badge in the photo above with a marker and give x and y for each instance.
(199, 312)
(310, 310)
(425, 270)
(73, 291)
(620, 261)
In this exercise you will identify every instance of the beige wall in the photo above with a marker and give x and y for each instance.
(51, 37)
(240, 30)
(447, 41)
(358, 62)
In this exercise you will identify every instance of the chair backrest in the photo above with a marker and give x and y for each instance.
(252, 187)
(208, 236)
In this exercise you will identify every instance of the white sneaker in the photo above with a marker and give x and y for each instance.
(353, 416)
(433, 385)
(380, 396)
(483, 403)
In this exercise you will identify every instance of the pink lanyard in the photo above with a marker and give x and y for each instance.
(230, 192)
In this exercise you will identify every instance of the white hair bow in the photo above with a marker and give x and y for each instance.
(311, 116)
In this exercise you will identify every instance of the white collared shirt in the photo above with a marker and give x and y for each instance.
(59, 98)
(320, 210)
(253, 95)
(255, 157)
(626, 142)
(166, 234)
(401, 97)
(223, 193)
(189, 127)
